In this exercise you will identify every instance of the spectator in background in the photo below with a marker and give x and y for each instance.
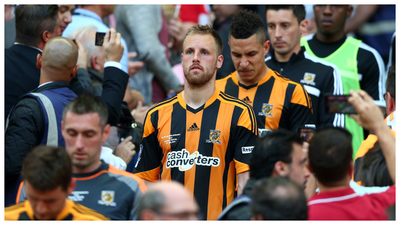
(8, 12)
(146, 32)
(278, 154)
(390, 120)
(64, 15)
(167, 200)
(47, 174)
(286, 24)
(360, 66)
(374, 25)
(330, 156)
(278, 198)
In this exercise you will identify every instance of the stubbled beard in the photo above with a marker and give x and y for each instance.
(197, 80)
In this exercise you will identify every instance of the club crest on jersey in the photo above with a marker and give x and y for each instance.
(184, 161)
(266, 110)
(215, 136)
(308, 78)
(107, 198)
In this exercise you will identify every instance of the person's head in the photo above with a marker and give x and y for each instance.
(330, 156)
(279, 153)
(278, 198)
(286, 24)
(85, 129)
(390, 95)
(36, 24)
(86, 35)
(58, 60)
(167, 200)
(373, 169)
(201, 56)
(65, 16)
(47, 173)
(330, 20)
(247, 41)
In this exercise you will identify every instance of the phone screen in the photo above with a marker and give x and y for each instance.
(99, 39)
(338, 104)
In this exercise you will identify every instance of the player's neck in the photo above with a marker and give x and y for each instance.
(329, 38)
(345, 183)
(87, 169)
(195, 97)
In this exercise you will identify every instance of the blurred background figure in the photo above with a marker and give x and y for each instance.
(278, 198)
(167, 200)
(8, 12)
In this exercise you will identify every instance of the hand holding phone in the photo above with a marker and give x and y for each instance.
(338, 104)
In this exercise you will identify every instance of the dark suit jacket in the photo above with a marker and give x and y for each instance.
(22, 76)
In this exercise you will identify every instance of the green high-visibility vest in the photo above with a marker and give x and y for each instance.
(345, 58)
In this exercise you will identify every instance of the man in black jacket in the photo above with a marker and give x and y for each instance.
(35, 25)
(286, 24)
(36, 117)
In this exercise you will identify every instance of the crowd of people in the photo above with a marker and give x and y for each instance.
(198, 112)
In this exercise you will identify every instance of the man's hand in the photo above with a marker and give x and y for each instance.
(125, 150)
(139, 113)
(134, 66)
(112, 46)
(370, 116)
(83, 56)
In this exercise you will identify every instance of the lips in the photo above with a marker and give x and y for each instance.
(326, 22)
(79, 155)
(196, 67)
(279, 43)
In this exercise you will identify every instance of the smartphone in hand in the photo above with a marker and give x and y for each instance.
(338, 104)
(99, 38)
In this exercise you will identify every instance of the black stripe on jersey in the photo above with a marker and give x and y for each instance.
(230, 154)
(23, 216)
(261, 96)
(69, 217)
(305, 96)
(249, 108)
(203, 173)
(231, 88)
(154, 120)
(285, 118)
(178, 126)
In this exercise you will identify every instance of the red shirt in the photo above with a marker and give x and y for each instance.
(345, 204)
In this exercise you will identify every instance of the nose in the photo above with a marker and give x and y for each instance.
(196, 57)
(79, 144)
(68, 17)
(40, 208)
(277, 31)
(244, 62)
(327, 9)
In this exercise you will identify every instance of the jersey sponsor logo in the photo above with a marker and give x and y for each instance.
(107, 198)
(194, 127)
(184, 161)
(308, 78)
(266, 110)
(170, 139)
(247, 149)
(78, 196)
(215, 136)
(247, 100)
(263, 132)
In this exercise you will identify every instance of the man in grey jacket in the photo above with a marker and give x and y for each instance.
(140, 26)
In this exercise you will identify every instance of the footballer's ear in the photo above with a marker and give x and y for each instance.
(281, 169)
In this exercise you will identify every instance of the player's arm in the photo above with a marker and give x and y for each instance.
(300, 107)
(372, 70)
(242, 180)
(149, 161)
(245, 138)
